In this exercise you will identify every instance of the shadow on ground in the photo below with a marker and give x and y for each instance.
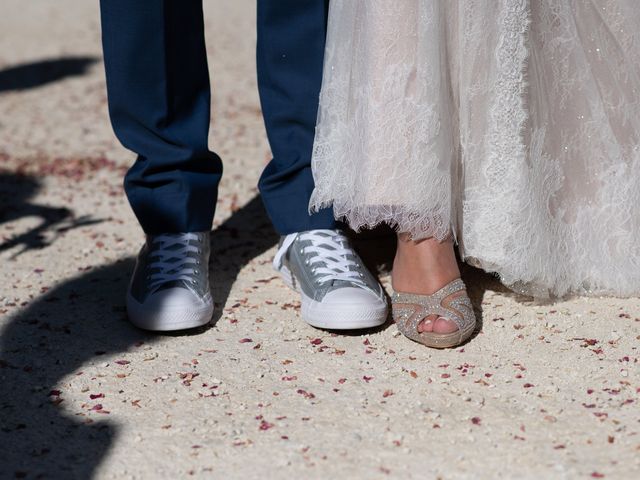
(245, 235)
(54, 336)
(36, 74)
(82, 320)
(16, 192)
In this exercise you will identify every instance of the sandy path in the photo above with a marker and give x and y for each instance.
(545, 391)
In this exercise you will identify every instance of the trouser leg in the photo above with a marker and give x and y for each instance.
(159, 103)
(290, 53)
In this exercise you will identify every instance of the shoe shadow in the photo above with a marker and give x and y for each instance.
(478, 282)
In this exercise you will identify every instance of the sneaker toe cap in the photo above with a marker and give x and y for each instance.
(175, 298)
(354, 296)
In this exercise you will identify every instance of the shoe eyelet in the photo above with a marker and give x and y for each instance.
(302, 251)
(196, 272)
(361, 275)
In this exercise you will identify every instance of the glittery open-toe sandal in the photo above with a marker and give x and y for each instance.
(450, 302)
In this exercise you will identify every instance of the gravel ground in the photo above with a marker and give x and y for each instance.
(542, 391)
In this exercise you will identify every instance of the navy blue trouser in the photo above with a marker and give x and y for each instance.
(159, 103)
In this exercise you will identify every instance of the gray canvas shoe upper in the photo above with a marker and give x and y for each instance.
(169, 289)
(172, 260)
(338, 292)
(322, 261)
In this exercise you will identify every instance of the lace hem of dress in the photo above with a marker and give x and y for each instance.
(402, 219)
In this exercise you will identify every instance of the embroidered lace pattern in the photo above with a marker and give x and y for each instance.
(512, 124)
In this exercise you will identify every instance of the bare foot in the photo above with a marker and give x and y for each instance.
(424, 267)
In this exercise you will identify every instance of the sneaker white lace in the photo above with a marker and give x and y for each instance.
(170, 260)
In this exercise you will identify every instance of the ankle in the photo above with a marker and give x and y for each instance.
(423, 266)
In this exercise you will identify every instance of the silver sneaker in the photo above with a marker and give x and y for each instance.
(337, 291)
(169, 289)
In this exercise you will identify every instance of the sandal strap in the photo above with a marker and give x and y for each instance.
(436, 298)
(407, 319)
(410, 309)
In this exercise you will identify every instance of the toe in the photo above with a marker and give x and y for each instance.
(444, 325)
(426, 325)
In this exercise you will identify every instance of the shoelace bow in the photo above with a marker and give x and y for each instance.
(331, 249)
(170, 260)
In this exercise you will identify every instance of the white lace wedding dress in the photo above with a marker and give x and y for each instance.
(514, 124)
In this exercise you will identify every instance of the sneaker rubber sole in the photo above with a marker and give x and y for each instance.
(342, 317)
(169, 318)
